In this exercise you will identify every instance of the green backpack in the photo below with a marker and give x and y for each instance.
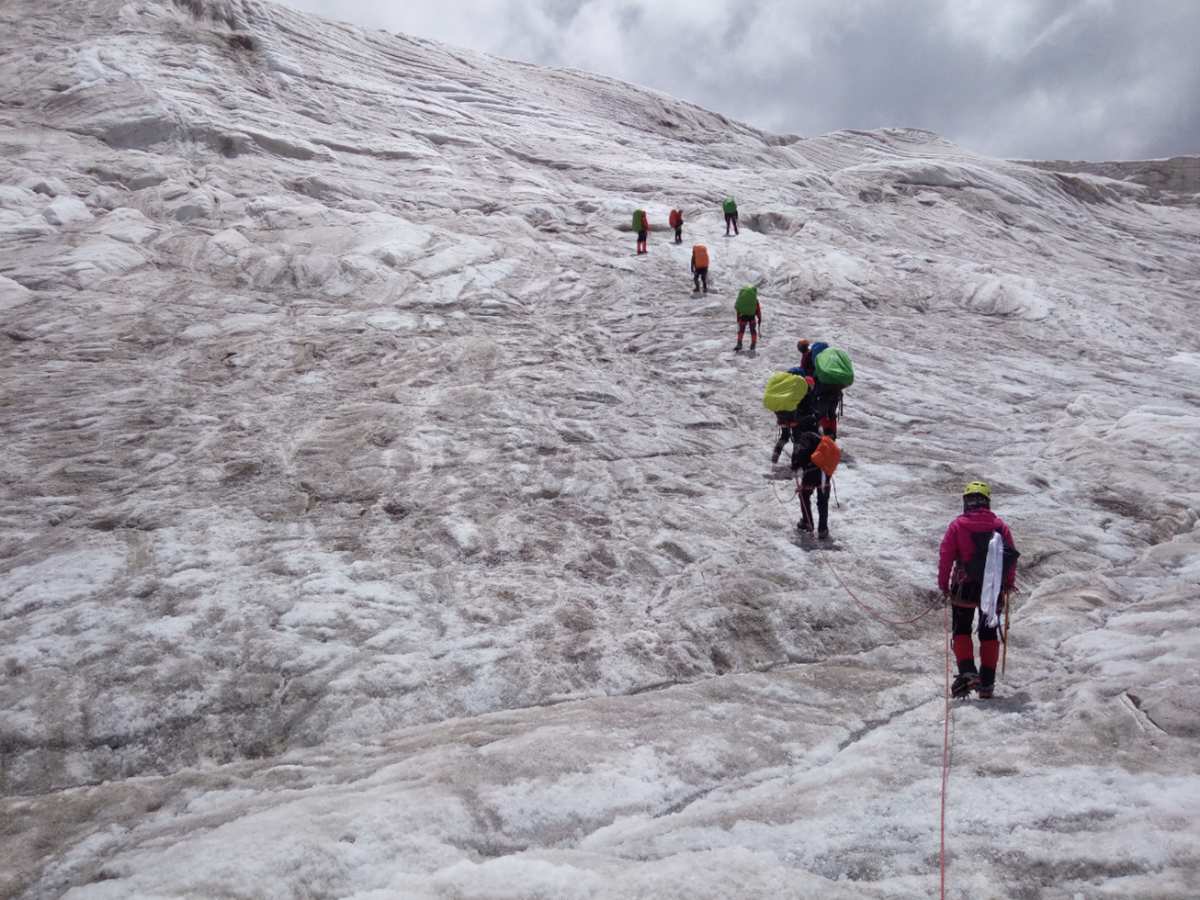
(784, 392)
(747, 301)
(729, 206)
(639, 219)
(833, 367)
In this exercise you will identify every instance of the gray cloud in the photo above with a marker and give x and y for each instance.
(1079, 79)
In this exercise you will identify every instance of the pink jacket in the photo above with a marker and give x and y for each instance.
(958, 545)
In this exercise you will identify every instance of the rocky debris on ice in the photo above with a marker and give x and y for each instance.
(66, 211)
(13, 294)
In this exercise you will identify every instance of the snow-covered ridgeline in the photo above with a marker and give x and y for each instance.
(344, 434)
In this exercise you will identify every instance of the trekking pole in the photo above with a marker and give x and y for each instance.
(833, 485)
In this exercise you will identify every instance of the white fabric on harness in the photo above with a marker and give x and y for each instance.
(993, 577)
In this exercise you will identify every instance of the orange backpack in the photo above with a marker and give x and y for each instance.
(676, 218)
(827, 456)
(700, 256)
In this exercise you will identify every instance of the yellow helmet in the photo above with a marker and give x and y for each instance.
(977, 487)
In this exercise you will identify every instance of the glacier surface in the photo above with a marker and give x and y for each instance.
(374, 523)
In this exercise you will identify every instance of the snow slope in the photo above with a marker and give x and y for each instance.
(374, 523)
(1179, 175)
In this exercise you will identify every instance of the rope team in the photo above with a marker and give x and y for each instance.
(977, 558)
(977, 562)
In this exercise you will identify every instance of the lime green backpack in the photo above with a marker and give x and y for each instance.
(747, 301)
(639, 219)
(729, 206)
(784, 392)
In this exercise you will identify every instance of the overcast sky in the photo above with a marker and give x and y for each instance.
(1074, 79)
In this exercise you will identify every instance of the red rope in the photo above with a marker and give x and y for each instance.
(946, 720)
(945, 755)
(870, 610)
(946, 725)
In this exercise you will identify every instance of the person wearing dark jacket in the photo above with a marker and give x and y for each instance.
(961, 561)
(794, 423)
(827, 397)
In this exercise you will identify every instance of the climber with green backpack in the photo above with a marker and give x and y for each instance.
(749, 311)
(833, 373)
(730, 209)
(814, 458)
(641, 225)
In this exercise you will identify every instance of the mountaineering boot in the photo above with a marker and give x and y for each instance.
(753, 344)
(823, 533)
(963, 685)
(987, 680)
(738, 347)
(806, 527)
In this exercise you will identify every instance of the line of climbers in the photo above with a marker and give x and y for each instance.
(977, 559)
(641, 223)
(747, 307)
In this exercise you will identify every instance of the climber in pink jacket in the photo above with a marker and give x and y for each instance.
(960, 575)
(958, 545)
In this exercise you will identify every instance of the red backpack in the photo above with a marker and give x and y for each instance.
(676, 218)
(826, 456)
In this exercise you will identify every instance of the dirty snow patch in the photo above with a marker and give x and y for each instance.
(1009, 296)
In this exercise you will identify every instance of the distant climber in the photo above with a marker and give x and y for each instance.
(699, 267)
(676, 222)
(730, 208)
(749, 312)
(977, 572)
(641, 225)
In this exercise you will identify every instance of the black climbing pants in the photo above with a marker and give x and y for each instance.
(810, 482)
(964, 617)
(701, 275)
